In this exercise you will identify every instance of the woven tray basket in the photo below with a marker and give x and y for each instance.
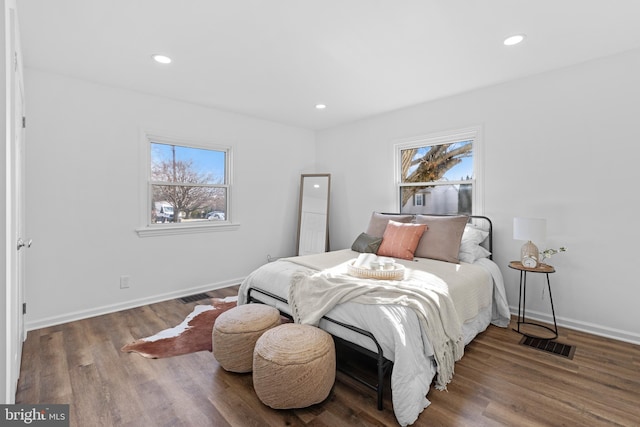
(366, 273)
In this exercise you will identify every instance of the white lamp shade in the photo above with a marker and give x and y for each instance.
(530, 229)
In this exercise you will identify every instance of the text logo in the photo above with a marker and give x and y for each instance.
(34, 415)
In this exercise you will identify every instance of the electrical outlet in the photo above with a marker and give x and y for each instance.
(124, 282)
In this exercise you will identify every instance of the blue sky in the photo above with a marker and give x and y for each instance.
(461, 170)
(204, 161)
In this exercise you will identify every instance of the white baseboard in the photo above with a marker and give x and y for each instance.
(112, 308)
(591, 328)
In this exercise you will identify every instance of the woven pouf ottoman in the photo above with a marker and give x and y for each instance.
(236, 331)
(294, 366)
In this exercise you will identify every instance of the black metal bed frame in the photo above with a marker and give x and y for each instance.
(383, 364)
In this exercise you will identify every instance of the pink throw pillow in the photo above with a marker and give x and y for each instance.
(400, 239)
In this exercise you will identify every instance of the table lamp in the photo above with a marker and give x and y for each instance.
(529, 229)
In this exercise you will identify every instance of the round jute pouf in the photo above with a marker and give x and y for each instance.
(236, 331)
(294, 366)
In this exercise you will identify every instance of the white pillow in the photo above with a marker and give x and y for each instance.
(473, 255)
(470, 249)
(474, 234)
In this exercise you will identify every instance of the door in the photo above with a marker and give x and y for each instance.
(15, 207)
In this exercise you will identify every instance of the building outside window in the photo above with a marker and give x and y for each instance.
(440, 173)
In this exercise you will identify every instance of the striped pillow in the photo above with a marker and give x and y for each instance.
(401, 239)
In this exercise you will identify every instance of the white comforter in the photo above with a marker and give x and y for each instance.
(397, 328)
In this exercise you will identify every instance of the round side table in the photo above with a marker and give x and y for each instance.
(546, 270)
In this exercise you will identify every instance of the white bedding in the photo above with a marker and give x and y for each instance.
(477, 292)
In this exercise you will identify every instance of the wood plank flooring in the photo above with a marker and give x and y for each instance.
(497, 383)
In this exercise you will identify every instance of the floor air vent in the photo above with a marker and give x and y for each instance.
(549, 346)
(194, 298)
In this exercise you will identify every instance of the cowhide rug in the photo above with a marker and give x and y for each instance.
(193, 334)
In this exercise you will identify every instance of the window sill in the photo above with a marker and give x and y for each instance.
(153, 231)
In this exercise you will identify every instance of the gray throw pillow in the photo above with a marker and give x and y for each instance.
(367, 244)
(442, 239)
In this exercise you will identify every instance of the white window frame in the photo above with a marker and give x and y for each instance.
(473, 133)
(147, 229)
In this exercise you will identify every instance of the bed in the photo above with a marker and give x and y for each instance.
(450, 291)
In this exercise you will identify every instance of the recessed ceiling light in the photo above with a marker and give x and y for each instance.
(513, 40)
(161, 59)
(320, 106)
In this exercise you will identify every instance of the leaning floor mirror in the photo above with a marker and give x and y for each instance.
(313, 214)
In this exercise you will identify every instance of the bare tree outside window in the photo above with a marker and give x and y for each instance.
(436, 178)
(188, 184)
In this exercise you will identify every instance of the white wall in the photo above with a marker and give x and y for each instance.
(560, 145)
(83, 199)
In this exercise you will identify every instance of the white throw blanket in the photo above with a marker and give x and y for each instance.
(313, 295)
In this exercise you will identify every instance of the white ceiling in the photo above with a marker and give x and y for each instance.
(276, 59)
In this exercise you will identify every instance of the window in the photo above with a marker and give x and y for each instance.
(439, 174)
(187, 185)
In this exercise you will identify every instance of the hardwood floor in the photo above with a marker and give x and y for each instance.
(497, 383)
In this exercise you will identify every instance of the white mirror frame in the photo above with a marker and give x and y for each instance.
(313, 214)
